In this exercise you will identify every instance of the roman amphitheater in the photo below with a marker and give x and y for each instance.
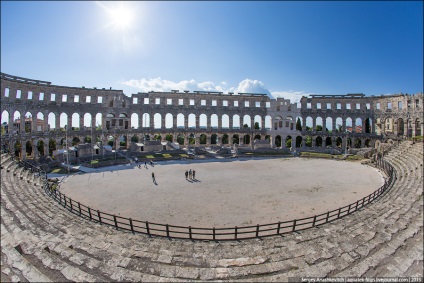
(359, 219)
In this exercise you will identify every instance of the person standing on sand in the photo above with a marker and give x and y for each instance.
(190, 174)
(186, 174)
(153, 177)
(194, 175)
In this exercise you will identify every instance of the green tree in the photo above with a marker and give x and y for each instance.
(308, 141)
(134, 138)
(87, 139)
(40, 147)
(319, 128)
(245, 126)
(169, 137)
(257, 125)
(52, 146)
(288, 143)
(298, 125)
(28, 148)
(75, 141)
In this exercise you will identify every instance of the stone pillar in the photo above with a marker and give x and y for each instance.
(208, 140)
(46, 148)
(34, 149)
(163, 122)
(93, 122)
(262, 124)
(208, 122)
(197, 138)
(333, 121)
(314, 141)
(22, 124)
(314, 124)
(303, 124)
(324, 142)
(81, 122)
(34, 124)
(46, 122)
(324, 125)
(231, 123)
(197, 118)
(152, 120)
(174, 122)
(344, 125)
(69, 122)
(303, 142)
(23, 150)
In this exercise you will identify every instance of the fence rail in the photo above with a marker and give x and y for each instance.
(214, 234)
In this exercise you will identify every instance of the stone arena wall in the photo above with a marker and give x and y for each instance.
(224, 119)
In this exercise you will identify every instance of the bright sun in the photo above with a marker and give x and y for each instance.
(120, 14)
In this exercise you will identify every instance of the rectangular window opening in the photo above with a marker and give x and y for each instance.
(64, 97)
(135, 100)
(18, 94)
(88, 99)
(99, 99)
(146, 100)
(76, 98)
(30, 95)
(6, 92)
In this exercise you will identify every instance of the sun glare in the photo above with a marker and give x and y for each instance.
(121, 15)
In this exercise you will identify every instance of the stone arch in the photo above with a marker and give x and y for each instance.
(299, 141)
(203, 121)
(192, 139)
(257, 137)
(214, 121)
(358, 125)
(339, 125)
(339, 142)
(5, 123)
(192, 121)
(180, 121)
(18, 148)
(299, 123)
(236, 122)
(268, 122)
(400, 127)
(63, 120)
(157, 121)
(319, 124)
(257, 122)
(75, 121)
(318, 141)
(309, 123)
(99, 121)
(225, 139)
(88, 120)
(328, 142)
(367, 143)
(135, 120)
(288, 142)
(39, 126)
(247, 121)
(278, 141)
(52, 146)
(51, 120)
(202, 139)
(145, 122)
(417, 127)
(214, 139)
(349, 125)
(236, 139)
(40, 147)
(329, 124)
(180, 139)
(278, 122)
(28, 148)
(308, 141)
(368, 125)
(169, 121)
(225, 121)
(28, 122)
(358, 143)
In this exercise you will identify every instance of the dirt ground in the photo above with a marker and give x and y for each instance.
(225, 193)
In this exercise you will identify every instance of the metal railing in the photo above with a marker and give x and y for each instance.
(213, 234)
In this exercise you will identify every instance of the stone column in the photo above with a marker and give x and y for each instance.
(22, 124)
(231, 123)
(81, 122)
(23, 150)
(69, 122)
(197, 138)
(314, 124)
(303, 124)
(333, 121)
(93, 122)
(152, 120)
(197, 118)
(208, 140)
(34, 124)
(174, 122)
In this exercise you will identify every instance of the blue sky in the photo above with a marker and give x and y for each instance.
(287, 49)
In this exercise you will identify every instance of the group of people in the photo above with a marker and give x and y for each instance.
(190, 174)
(145, 163)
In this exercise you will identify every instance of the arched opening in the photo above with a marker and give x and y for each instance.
(339, 142)
(169, 121)
(268, 122)
(319, 124)
(299, 124)
(75, 122)
(28, 122)
(358, 125)
(367, 143)
(288, 142)
(309, 123)
(40, 148)
(169, 138)
(246, 139)
(329, 124)
(146, 120)
(99, 123)
(318, 142)
(225, 139)
(247, 122)
(278, 141)
(4, 122)
(180, 139)
(236, 139)
(28, 148)
(18, 148)
(417, 127)
(192, 121)
(225, 121)
(180, 121)
(87, 139)
(214, 121)
(75, 141)
(135, 139)
(52, 146)
(192, 139)
(368, 125)
(400, 127)
(328, 142)
(63, 120)
(39, 126)
(339, 125)
(51, 120)
(358, 143)
(203, 121)
(87, 120)
(236, 122)
(214, 139)
(349, 125)
(258, 122)
(299, 141)
(157, 121)
(202, 139)
(134, 121)
(257, 137)
(308, 141)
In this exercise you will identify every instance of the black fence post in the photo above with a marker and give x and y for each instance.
(338, 213)
(348, 210)
(326, 218)
(313, 222)
(100, 218)
(89, 213)
(131, 225)
(116, 223)
(147, 228)
(65, 200)
(167, 230)
(213, 233)
(278, 228)
(294, 224)
(79, 208)
(189, 231)
(235, 233)
(257, 230)
(70, 201)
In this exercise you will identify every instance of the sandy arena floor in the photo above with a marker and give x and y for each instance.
(226, 194)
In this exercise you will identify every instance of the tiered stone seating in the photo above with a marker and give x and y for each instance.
(42, 241)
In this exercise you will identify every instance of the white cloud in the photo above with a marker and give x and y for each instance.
(294, 96)
(247, 85)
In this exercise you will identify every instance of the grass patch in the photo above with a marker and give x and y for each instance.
(59, 170)
(317, 154)
(166, 155)
(56, 171)
(94, 162)
(354, 157)
(183, 155)
(150, 156)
